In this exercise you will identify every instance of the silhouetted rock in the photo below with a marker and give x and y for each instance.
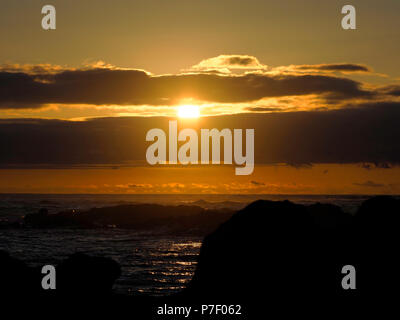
(16, 278)
(171, 219)
(377, 238)
(273, 252)
(84, 275)
(79, 275)
(381, 214)
(329, 216)
(42, 219)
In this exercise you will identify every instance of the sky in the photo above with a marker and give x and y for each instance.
(76, 102)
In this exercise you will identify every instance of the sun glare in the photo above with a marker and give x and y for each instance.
(188, 111)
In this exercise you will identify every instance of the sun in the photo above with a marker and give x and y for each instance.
(188, 111)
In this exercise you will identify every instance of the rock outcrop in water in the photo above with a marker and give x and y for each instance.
(152, 217)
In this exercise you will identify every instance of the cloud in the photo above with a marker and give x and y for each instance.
(274, 188)
(33, 69)
(324, 69)
(369, 184)
(229, 62)
(393, 90)
(140, 186)
(299, 165)
(376, 165)
(334, 67)
(251, 187)
(350, 135)
(256, 183)
(128, 87)
(263, 109)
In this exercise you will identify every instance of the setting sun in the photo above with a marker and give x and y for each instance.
(188, 111)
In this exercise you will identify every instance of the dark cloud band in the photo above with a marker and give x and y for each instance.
(105, 86)
(363, 134)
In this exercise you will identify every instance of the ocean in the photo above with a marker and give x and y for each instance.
(152, 263)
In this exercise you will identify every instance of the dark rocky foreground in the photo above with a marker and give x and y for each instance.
(267, 254)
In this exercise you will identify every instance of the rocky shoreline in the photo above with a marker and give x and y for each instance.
(274, 250)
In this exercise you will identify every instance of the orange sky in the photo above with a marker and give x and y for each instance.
(324, 102)
(280, 179)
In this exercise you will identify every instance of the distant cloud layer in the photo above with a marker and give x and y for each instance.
(335, 67)
(369, 184)
(367, 134)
